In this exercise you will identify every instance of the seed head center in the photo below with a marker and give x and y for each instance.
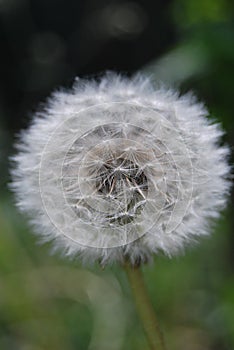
(125, 184)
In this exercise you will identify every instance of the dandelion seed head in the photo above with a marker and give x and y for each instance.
(115, 169)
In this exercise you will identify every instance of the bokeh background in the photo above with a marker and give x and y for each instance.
(47, 302)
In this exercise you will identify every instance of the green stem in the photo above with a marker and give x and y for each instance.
(144, 308)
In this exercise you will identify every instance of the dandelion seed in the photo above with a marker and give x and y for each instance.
(116, 170)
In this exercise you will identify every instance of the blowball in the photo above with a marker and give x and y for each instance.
(115, 170)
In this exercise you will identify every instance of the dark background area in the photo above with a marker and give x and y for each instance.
(45, 44)
(47, 302)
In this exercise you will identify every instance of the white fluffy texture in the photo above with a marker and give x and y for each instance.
(116, 170)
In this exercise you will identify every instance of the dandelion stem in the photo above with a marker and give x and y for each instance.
(144, 308)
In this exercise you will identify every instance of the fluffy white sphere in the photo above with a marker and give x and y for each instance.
(116, 170)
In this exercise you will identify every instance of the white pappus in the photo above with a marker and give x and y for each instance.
(115, 169)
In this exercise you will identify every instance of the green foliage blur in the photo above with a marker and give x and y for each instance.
(49, 303)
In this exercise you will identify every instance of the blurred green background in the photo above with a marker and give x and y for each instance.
(47, 302)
